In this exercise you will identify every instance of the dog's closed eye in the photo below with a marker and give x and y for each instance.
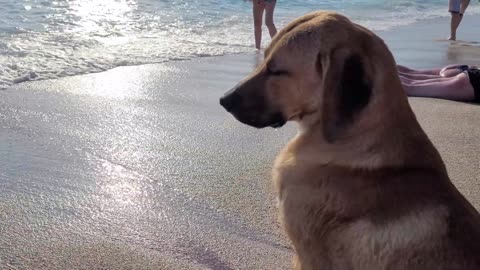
(273, 71)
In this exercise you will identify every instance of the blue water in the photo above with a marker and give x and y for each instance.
(42, 39)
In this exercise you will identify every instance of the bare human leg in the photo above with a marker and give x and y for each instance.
(454, 88)
(447, 71)
(457, 19)
(405, 69)
(434, 80)
(464, 6)
(414, 76)
(454, 23)
(258, 7)
(269, 9)
(416, 81)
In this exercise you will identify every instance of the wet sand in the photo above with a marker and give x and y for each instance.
(137, 166)
(140, 168)
(424, 45)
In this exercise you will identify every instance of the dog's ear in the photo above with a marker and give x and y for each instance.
(346, 91)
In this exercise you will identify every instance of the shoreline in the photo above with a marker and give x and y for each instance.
(424, 45)
(432, 30)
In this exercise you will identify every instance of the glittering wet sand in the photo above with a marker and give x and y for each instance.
(140, 168)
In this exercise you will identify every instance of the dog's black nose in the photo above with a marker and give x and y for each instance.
(230, 101)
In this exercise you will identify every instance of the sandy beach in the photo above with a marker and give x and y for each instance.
(140, 168)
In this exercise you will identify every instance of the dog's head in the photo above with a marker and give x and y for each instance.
(321, 69)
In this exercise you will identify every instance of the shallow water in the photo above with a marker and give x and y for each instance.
(42, 39)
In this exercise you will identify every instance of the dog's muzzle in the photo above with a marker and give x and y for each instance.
(230, 100)
(251, 110)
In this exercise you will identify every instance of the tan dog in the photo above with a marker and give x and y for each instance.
(361, 186)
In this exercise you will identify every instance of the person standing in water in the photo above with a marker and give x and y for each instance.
(259, 6)
(457, 9)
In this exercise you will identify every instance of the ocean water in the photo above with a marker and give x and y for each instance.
(41, 39)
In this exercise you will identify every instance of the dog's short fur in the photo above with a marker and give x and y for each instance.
(361, 186)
